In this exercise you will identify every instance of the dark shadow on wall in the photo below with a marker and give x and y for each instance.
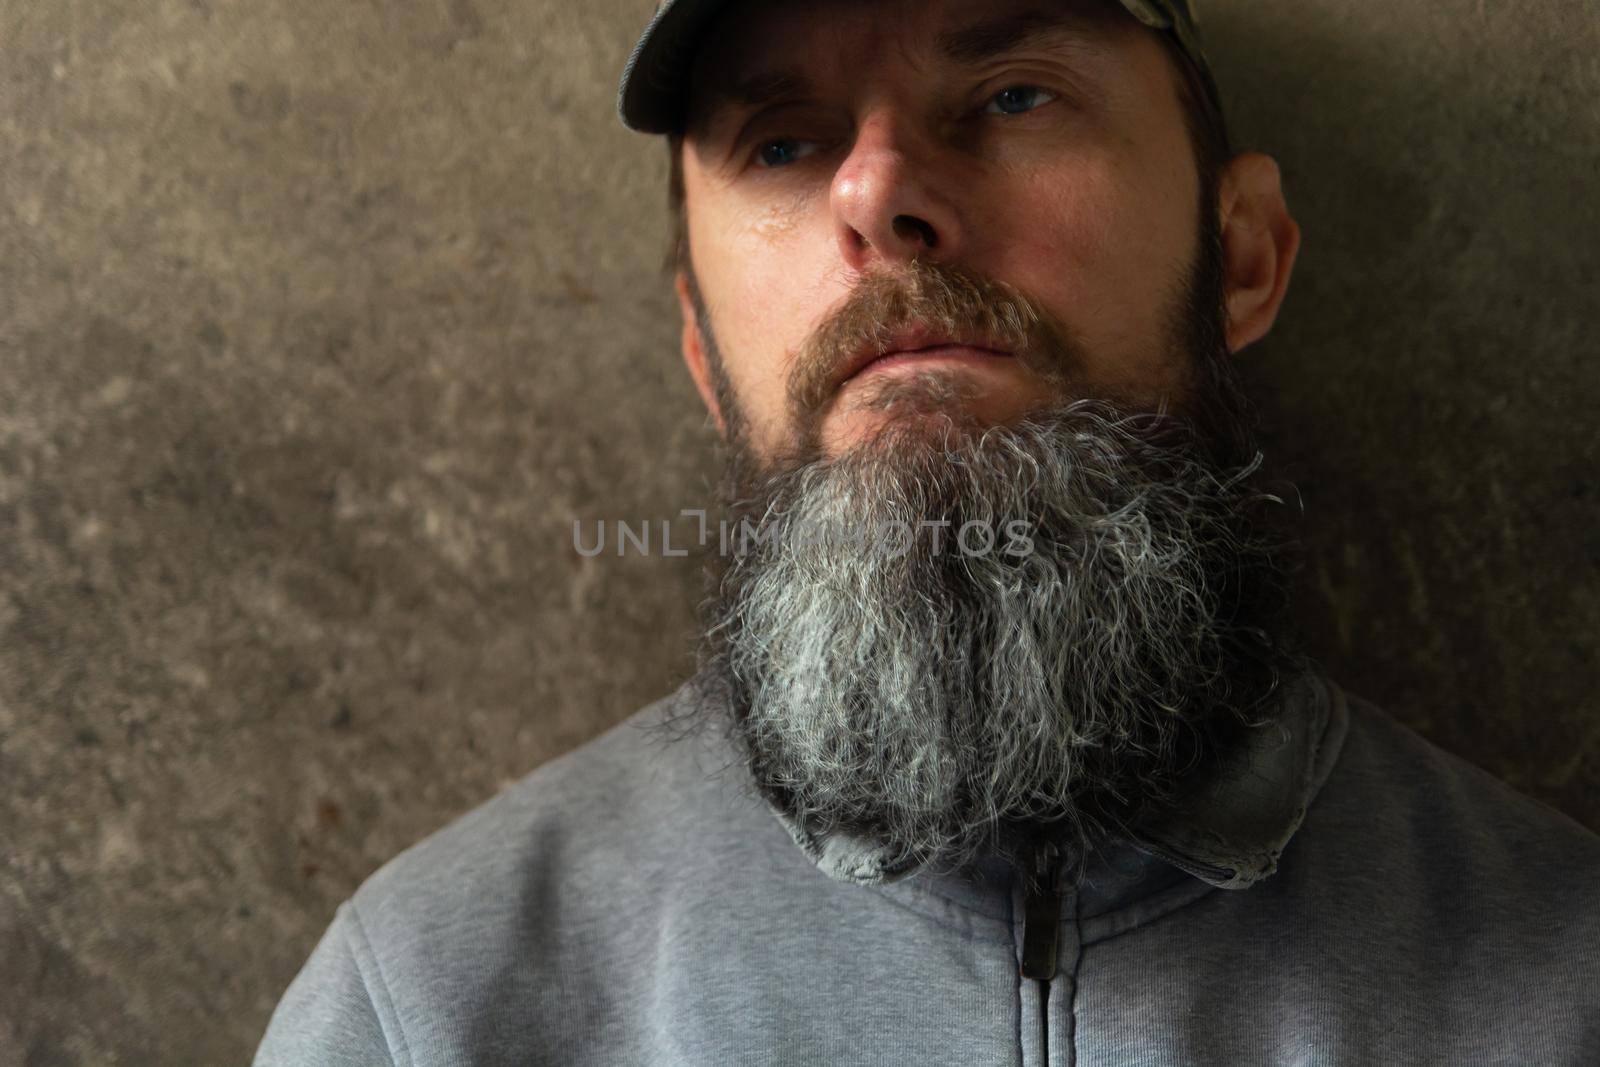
(1430, 385)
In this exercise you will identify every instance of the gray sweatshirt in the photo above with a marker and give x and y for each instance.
(1342, 892)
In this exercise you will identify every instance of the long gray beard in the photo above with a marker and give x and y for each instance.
(946, 702)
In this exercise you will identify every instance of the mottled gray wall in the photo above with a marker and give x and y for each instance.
(320, 323)
(1433, 381)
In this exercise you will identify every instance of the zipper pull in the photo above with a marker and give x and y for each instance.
(1041, 917)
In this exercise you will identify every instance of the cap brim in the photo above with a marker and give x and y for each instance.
(652, 97)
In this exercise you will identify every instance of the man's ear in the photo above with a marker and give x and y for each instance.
(1260, 240)
(694, 353)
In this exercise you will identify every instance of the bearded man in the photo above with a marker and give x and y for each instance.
(999, 643)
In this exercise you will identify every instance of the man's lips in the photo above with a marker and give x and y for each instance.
(915, 346)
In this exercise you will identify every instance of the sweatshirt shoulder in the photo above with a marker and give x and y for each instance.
(626, 795)
(1406, 804)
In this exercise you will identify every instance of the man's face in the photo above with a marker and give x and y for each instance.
(979, 216)
(836, 147)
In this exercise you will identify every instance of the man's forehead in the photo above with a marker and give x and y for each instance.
(758, 34)
(768, 48)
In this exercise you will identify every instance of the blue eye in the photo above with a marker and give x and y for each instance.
(1018, 99)
(782, 151)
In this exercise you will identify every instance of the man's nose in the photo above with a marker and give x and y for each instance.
(887, 199)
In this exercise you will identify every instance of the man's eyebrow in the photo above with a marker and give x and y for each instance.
(993, 37)
(759, 90)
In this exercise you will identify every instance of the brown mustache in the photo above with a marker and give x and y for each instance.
(952, 300)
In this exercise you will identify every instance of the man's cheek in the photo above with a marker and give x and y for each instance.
(757, 376)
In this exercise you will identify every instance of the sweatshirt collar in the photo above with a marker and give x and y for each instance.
(1228, 829)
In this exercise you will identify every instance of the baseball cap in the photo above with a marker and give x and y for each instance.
(654, 83)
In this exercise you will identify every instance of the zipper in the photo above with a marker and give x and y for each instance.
(1041, 934)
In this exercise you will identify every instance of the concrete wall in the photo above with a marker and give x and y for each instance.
(321, 322)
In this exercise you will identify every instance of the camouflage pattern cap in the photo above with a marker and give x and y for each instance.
(651, 99)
